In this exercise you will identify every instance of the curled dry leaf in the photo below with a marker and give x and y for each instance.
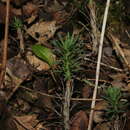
(37, 63)
(42, 31)
(98, 113)
(79, 121)
(103, 126)
(28, 121)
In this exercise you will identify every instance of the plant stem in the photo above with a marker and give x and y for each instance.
(20, 35)
(95, 32)
(66, 106)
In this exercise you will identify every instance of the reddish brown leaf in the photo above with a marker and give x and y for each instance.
(13, 12)
(86, 91)
(30, 8)
(79, 121)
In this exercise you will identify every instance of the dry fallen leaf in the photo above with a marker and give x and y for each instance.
(86, 91)
(18, 67)
(43, 101)
(103, 126)
(28, 121)
(30, 8)
(98, 113)
(42, 31)
(16, 72)
(37, 63)
(30, 11)
(79, 121)
(118, 80)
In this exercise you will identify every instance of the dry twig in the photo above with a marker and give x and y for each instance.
(103, 64)
(58, 97)
(98, 65)
(5, 46)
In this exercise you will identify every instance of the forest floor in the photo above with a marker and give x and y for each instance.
(50, 73)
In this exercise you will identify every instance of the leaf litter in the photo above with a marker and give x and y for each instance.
(34, 87)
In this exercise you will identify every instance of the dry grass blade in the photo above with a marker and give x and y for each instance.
(98, 64)
(5, 46)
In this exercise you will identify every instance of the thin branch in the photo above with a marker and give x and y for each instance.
(103, 64)
(57, 97)
(98, 65)
(5, 46)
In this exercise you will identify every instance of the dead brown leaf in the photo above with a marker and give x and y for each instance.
(42, 31)
(13, 12)
(30, 9)
(79, 121)
(118, 80)
(37, 63)
(86, 91)
(103, 126)
(27, 121)
(17, 71)
(43, 101)
(98, 111)
(18, 67)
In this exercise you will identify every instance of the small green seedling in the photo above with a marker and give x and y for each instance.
(69, 52)
(116, 106)
(17, 23)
